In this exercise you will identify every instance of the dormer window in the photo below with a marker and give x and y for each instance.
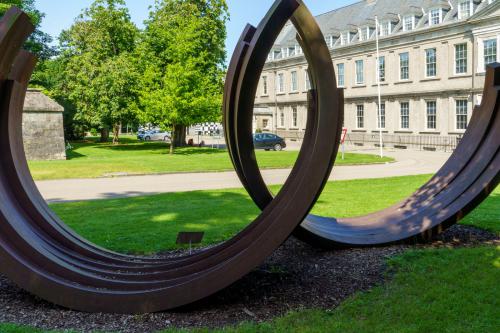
(292, 51)
(363, 33)
(465, 9)
(345, 38)
(330, 41)
(408, 23)
(277, 54)
(435, 16)
(385, 28)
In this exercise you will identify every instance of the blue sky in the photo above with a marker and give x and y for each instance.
(61, 13)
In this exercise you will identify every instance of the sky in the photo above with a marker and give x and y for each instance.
(60, 14)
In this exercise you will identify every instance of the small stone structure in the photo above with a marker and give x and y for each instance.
(43, 130)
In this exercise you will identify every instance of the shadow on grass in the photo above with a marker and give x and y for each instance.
(146, 225)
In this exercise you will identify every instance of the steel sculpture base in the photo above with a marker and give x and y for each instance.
(43, 256)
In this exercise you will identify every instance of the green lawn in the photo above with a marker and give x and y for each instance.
(92, 159)
(149, 224)
(445, 290)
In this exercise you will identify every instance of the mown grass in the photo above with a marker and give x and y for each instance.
(92, 159)
(438, 290)
(150, 224)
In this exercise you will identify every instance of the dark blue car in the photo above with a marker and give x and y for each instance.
(268, 141)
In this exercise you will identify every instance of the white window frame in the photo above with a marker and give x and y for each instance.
(481, 65)
(412, 21)
(280, 83)
(466, 59)
(295, 117)
(294, 81)
(405, 116)
(401, 66)
(359, 72)
(427, 63)
(341, 75)
(381, 117)
(457, 115)
(265, 88)
(360, 116)
(378, 75)
(470, 11)
(345, 38)
(428, 115)
(440, 16)
(385, 28)
(307, 80)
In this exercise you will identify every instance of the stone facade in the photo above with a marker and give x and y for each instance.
(443, 61)
(43, 130)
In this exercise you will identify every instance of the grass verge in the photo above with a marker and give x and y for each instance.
(131, 157)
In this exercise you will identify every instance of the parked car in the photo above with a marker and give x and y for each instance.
(154, 135)
(268, 141)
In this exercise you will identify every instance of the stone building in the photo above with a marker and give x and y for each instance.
(433, 55)
(43, 130)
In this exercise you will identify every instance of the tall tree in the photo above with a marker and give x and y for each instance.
(38, 42)
(182, 60)
(100, 73)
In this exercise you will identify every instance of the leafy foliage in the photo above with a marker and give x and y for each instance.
(182, 61)
(99, 71)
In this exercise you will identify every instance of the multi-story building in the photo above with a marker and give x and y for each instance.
(431, 68)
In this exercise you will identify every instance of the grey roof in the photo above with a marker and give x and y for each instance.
(360, 13)
(36, 101)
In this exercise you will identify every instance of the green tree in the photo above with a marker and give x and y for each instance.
(100, 73)
(182, 61)
(38, 42)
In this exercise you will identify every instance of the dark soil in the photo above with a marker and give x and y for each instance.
(295, 277)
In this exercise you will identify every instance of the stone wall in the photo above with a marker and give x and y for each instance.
(43, 130)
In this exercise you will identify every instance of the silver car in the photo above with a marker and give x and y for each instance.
(156, 135)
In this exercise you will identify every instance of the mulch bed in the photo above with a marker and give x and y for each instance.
(295, 277)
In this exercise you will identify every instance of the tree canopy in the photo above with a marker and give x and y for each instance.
(39, 42)
(182, 58)
(100, 74)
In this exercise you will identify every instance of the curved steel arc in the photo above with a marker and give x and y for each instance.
(419, 216)
(43, 256)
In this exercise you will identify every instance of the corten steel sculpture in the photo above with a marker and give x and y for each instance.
(43, 256)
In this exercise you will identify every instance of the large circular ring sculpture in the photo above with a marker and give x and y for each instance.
(43, 256)
(467, 178)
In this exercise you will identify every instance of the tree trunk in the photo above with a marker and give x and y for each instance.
(172, 140)
(104, 134)
(116, 133)
(180, 135)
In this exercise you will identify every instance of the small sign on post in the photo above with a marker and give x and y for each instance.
(190, 238)
(342, 141)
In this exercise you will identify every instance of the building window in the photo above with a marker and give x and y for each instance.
(381, 116)
(360, 116)
(295, 85)
(381, 69)
(408, 23)
(282, 116)
(490, 51)
(264, 86)
(461, 114)
(341, 75)
(292, 51)
(364, 33)
(281, 83)
(405, 115)
(295, 117)
(430, 61)
(360, 75)
(431, 115)
(385, 28)
(464, 9)
(345, 38)
(435, 16)
(308, 80)
(265, 123)
(404, 66)
(461, 58)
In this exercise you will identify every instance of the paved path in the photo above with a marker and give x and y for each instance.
(408, 163)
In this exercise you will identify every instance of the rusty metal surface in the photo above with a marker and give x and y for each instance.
(43, 256)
